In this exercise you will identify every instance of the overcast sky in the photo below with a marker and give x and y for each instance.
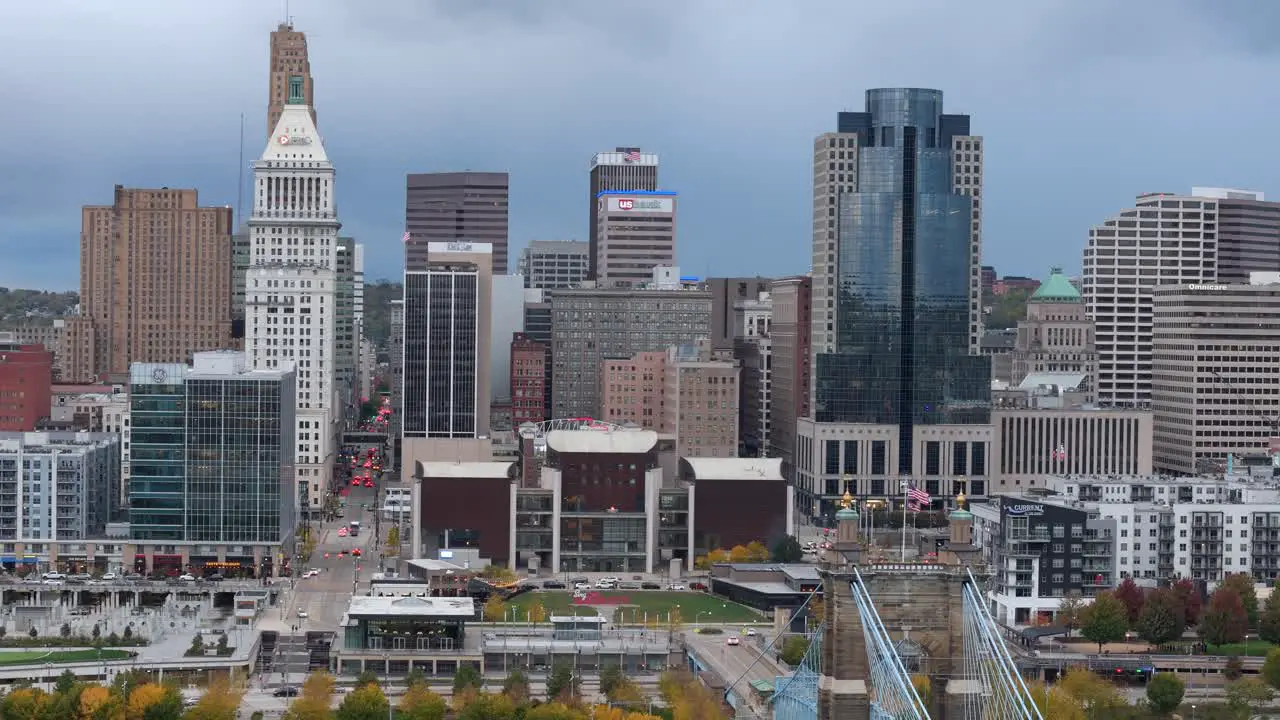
(1083, 104)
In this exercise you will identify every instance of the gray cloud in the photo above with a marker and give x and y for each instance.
(1083, 103)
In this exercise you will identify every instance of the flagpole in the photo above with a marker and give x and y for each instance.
(905, 501)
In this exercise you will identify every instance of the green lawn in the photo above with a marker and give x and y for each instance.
(25, 657)
(693, 606)
(1253, 648)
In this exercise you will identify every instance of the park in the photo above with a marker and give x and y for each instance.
(627, 607)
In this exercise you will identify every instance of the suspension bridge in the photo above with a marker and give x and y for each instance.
(889, 626)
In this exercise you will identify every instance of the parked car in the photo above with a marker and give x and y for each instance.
(650, 586)
(187, 578)
(676, 586)
(553, 585)
(698, 586)
(109, 577)
(286, 691)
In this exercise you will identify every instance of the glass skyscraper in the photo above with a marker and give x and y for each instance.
(902, 277)
(213, 457)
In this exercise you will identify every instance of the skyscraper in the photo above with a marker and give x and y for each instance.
(1248, 233)
(447, 343)
(625, 169)
(288, 60)
(636, 233)
(838, 168)
(895, 295)
(445, 207)
(291, 288)
(1175, 238)
(155, 282)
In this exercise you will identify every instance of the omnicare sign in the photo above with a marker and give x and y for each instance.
(640, 204)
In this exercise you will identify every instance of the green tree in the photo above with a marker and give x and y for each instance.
(1164, 692)
(516, 686)
(415, 677)
(1249, 695)
(793, 649)
(1069, 610)
(494, 609)
(1225, 620)
(1162, 619)
(257, 715)
(563, 683)
(467, 676)
(367, 677)
(1233, 669)
(1132, 596)
(786, 549)
(1271, 668)
(610, 678)
(66, 682)
(1242, 583)
(1006, 310)
(419, 703)
(366, 702)
(1269, 622)
(1105, 620)
(33, 632)
(393, 541)
(197, 646)
(65, 630)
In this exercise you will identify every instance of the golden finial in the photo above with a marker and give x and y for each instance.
(960, 501)
(846, 502)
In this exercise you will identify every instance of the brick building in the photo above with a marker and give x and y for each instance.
(26, 380)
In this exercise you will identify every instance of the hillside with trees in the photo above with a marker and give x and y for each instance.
(377, 310)
(34, 307)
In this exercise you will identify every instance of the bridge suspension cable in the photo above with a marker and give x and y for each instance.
(1002, 693)
(893, 695)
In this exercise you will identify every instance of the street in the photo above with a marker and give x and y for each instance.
(326, 596)
(730, 662)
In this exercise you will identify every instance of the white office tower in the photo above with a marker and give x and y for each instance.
(1164, 239)
(291, 286)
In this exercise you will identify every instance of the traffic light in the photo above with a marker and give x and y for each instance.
(356, 552)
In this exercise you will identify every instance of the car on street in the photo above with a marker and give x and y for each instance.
(553, 585)
(302, 614)
(109, 577)
(677, 587)
(187, 578)
(286, 691)
(310, 573)
(751, 632)
(733, 640)
(650, 586)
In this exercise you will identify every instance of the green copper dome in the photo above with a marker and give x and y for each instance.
(961, 514)
(847, 514)
(1057, 288)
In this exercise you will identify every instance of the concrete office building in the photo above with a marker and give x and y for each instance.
(790, 333)
(396, 363)
(1174, 237)
(726, 294)
(289, 60)
(225, 498)
(445, 207)
(626, 169)
(1030, 443)
(1248, 233)
(241, 259)
(1214, 350)
(155, 282)
(635, 233)
(291, 294)
(555, 264)
(346, 346)
(845, 162)
(591, 324)
(447, 352)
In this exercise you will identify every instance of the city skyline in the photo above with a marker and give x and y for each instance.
(1085, 113)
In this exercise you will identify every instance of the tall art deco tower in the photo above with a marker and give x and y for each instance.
(291, 284)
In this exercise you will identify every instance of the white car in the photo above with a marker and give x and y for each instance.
(751, 632)
(581, 586)
(677, 586)
(604, 585)
(733, 640)
(310, 573)
(302, 614)
(109, 577)
(187, 578)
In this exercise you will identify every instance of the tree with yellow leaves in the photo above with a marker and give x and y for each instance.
(537, 612)
(484, 706)
(1054, 702)
(604, 712)
(494, 609)
(717, 556)
(674, 621)
(98, 703)
(757, 552)
(364, 703)
(219, 702)
(738, 554)
(315, 700)
(688, 698)
(924, 688)
(152, 700)
(420, 703)
(1096, 696)
(24, 704)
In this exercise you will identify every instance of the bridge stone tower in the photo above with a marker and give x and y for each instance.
(921, 606)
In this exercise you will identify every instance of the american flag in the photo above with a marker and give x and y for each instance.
(1060, 453)
(405, 239)
(917, 496)
(632, 156)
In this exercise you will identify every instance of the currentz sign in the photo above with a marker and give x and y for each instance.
(293, 140)
(617, 204)
(1023, 509)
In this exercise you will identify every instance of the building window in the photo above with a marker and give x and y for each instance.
(832, 449)
(878, 457)
(933, 458)
(959, 466)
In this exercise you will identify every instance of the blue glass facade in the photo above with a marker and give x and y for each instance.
(902, 334)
